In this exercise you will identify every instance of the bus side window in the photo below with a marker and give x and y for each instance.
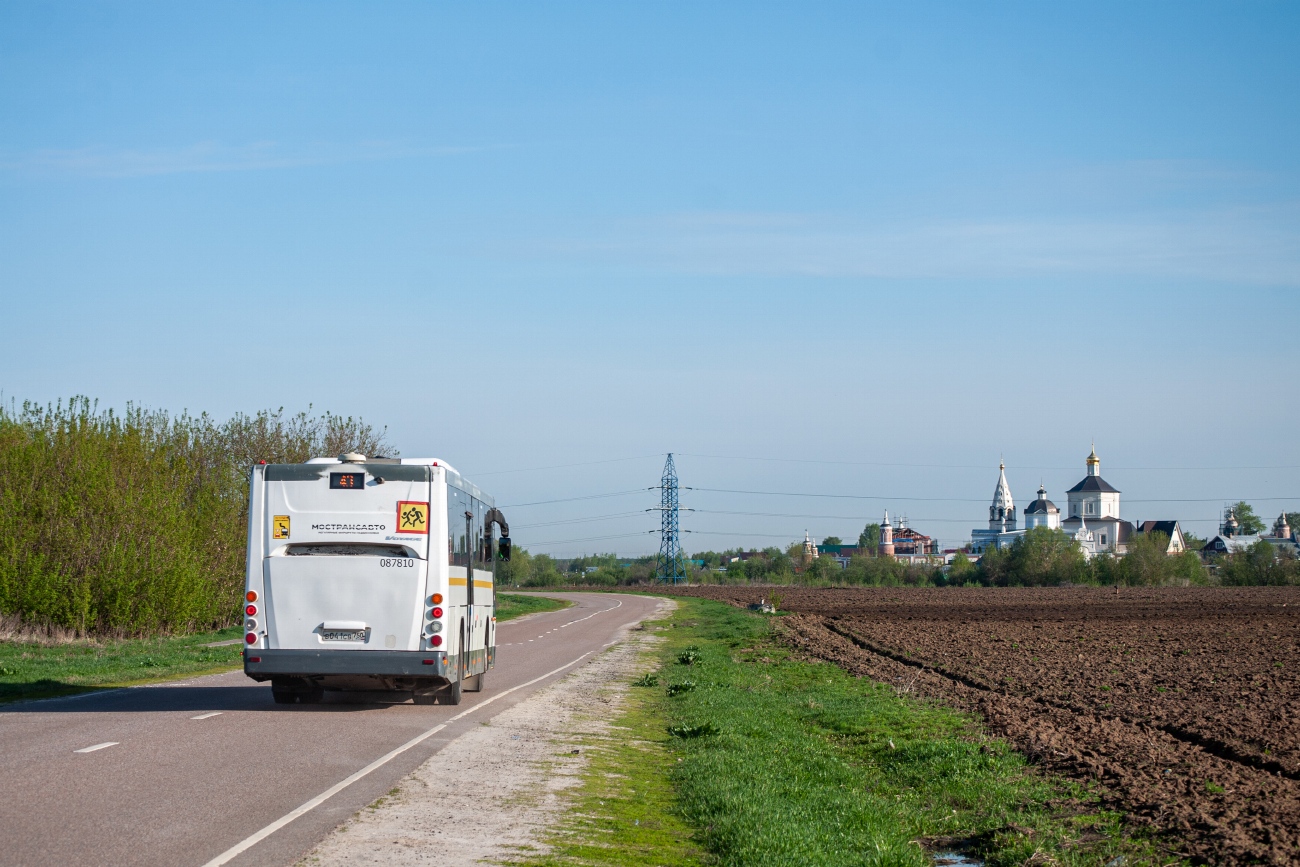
(457, 542)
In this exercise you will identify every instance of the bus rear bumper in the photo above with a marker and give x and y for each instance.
(264, 664)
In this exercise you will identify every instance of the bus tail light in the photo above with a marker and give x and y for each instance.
(435, 613)
(435, 599)
(250, 610)
(251, 638)
(435, 627)
(428, 661)
(436, 641)
(251, 595)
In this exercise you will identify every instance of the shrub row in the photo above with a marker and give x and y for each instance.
(135, 523)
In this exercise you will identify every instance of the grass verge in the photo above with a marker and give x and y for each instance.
(767, 759)
(29, 670)
(512, 605)
(624, 812)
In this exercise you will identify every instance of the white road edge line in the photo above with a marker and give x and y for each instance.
(102, 746)
(333, 790)
(571, 622)
(208, 715)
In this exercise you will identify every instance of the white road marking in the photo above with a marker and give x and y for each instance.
(253, 840)
(102, 746)
(619, 604)
(208, 715)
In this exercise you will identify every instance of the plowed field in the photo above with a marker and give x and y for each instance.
(1182, 703)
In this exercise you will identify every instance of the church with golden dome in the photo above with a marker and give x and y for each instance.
(1092, 516)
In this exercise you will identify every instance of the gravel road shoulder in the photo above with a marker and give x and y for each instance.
(490, 795)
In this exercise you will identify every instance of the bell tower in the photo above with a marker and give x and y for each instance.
(886, 537)
(1002, 512)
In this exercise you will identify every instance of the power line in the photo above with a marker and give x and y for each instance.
(842, 496)
(588, 539)
(967, 466)
(640, 513)
(565, 466)
(968, 499)
(575, 499)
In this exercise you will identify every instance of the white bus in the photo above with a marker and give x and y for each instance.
(350, 585)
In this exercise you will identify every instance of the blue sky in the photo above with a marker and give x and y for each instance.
(899, 240)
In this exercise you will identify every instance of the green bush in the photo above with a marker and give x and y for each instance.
(136, 523)
(1258, 565)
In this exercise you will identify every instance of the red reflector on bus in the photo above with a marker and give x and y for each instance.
(254, 659)
(250, 610)
(427, 661)
(437, 612)
(436, 641)
(251, 638)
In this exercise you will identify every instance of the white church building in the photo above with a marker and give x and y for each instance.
(1092, 515)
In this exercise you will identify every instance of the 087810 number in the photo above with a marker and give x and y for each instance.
(398, 562)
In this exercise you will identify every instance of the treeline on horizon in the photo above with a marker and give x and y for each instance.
(1042, 557)
(135, 523)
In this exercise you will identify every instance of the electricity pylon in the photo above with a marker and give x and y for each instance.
(670, 565)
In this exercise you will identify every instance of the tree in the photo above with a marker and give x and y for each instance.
(544, 572)
(1248, 523)
(877, 572)
(516, 571)
(1041, 557)
(832, 540)
(821, 570)
(961, 570)
(1146, 563)
(869, 538)
(1255, 566)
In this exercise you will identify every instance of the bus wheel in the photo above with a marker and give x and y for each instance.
(450, 695)
(283, 690)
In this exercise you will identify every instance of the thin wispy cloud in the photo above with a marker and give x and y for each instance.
(1259, 244)
(211, 157)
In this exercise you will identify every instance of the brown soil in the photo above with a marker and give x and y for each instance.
(1180, 702)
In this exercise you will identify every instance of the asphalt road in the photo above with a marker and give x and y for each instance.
(211, 771)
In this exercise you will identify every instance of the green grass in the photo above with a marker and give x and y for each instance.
(624, 811)
(767, 759)
(512, 605)
(35, 671)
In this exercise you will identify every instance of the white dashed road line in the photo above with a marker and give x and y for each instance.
(102, 746)
(208, 715)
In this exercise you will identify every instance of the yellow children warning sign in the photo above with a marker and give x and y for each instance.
(280, 527)
(412, 517)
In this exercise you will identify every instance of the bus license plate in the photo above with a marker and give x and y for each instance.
(348, 635)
